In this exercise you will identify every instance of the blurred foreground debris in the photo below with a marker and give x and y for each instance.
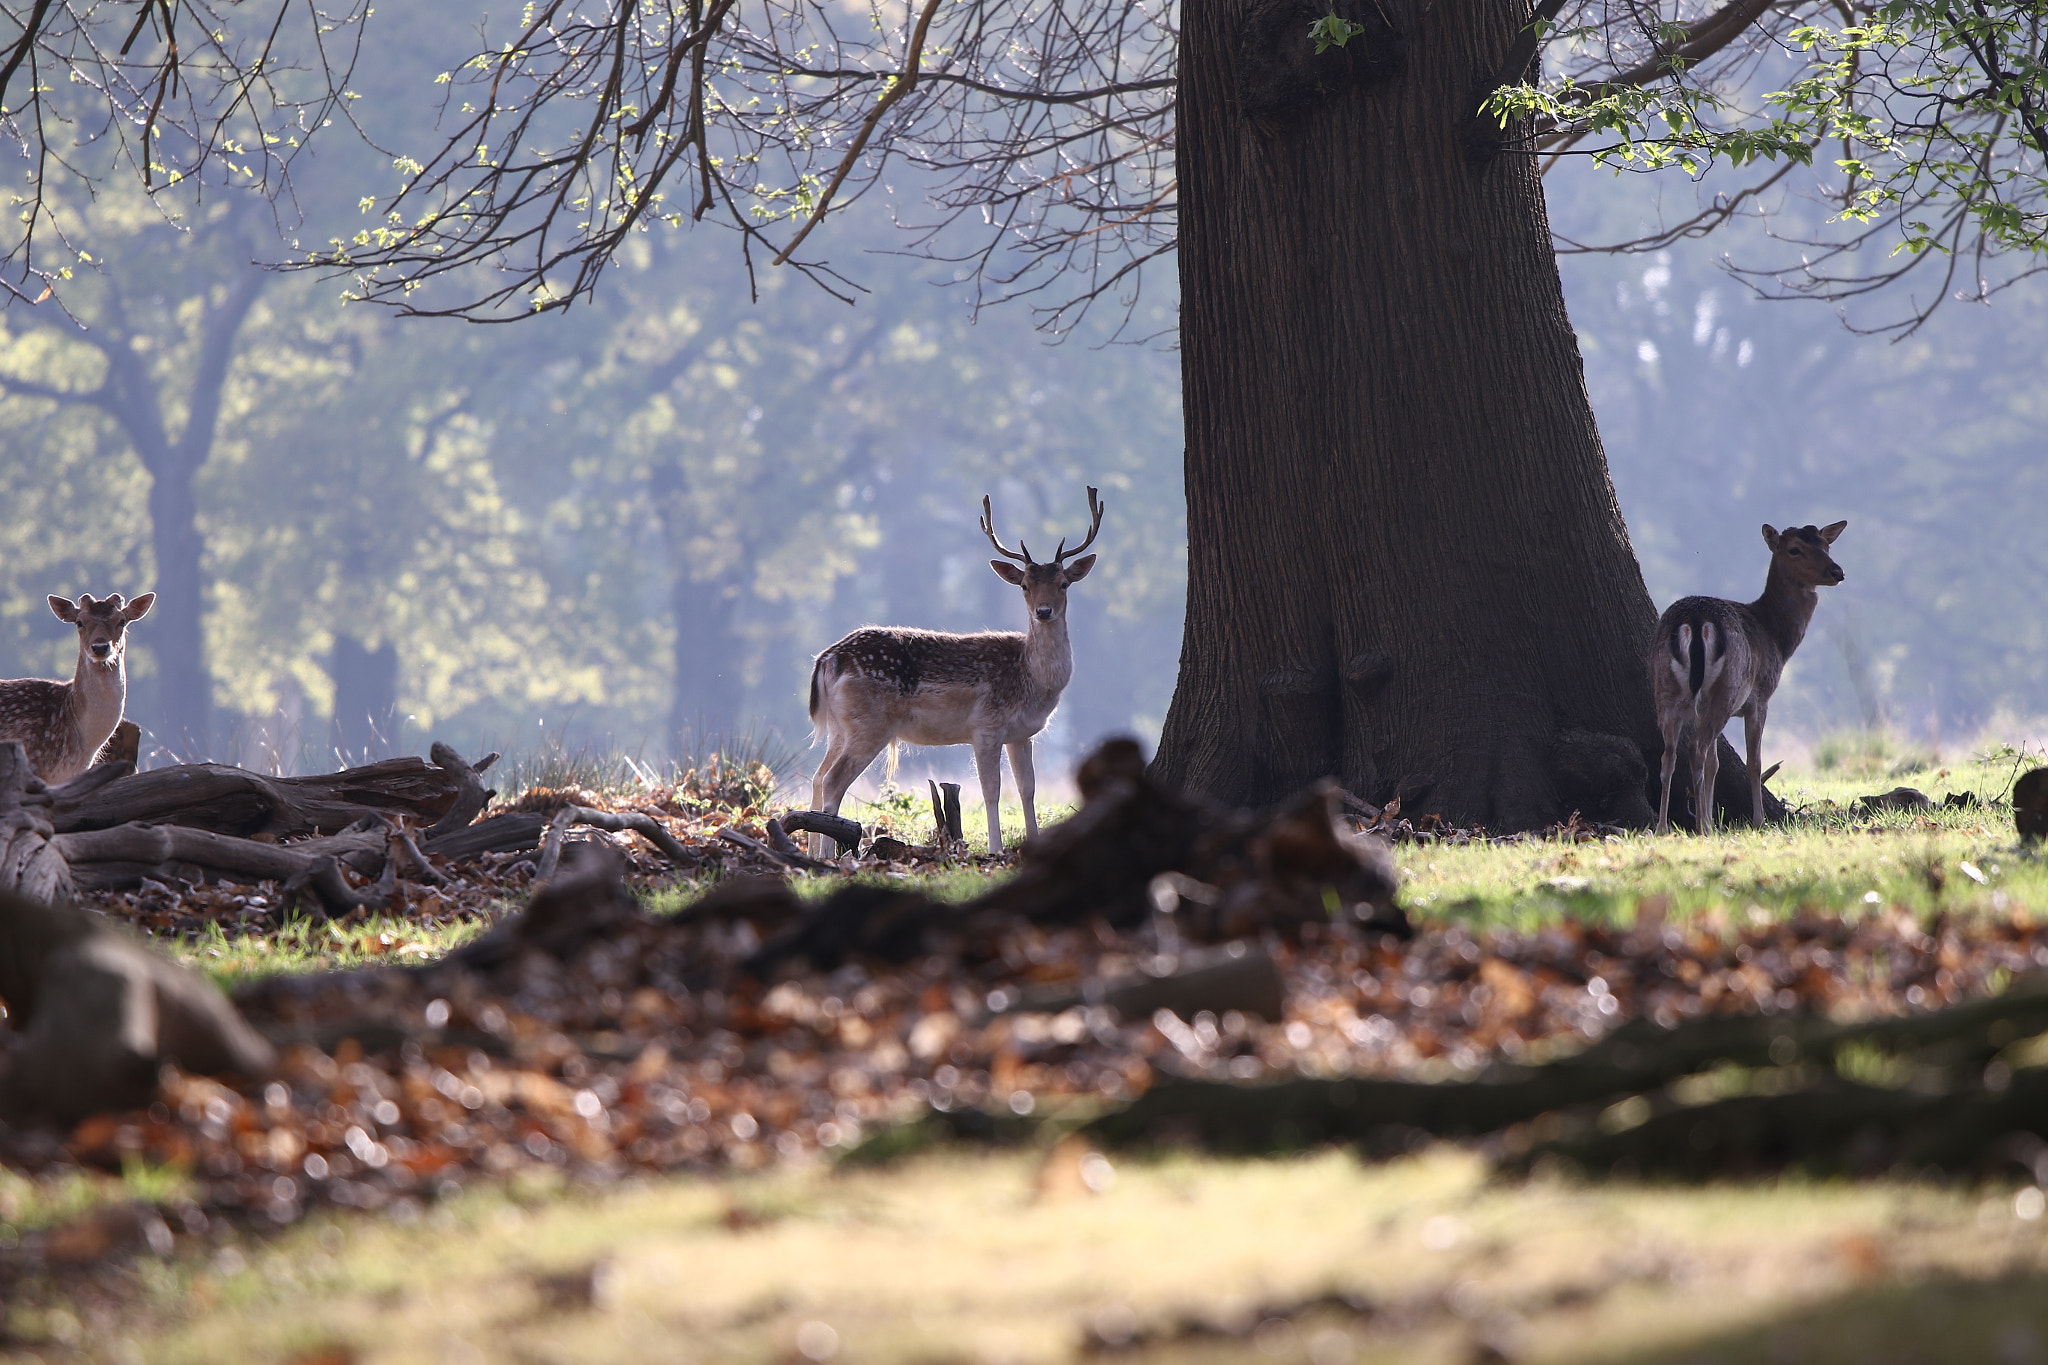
(1960, 1090)
(2030, 804)
(93, 1014)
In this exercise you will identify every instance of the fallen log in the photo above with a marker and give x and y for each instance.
(511, 832)
(843, 832)
(119, 858)
(226, 800)
(28, 864)
(521, 831)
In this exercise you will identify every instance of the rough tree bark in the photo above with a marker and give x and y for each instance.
(1406, 565)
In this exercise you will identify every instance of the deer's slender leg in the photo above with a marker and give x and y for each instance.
(1671, 728)
(1707, 763)
(1027, 784)
(846, 758)
(1753, 741)
(988, 764)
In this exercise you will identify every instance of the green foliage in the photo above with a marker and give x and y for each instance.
(1333, 30)
(1938, 114)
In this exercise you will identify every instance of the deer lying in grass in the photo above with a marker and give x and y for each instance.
(1714, 659)
(887, 685)
(63, 725)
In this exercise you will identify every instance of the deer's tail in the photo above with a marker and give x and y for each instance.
(818, 726)
(1698, 651)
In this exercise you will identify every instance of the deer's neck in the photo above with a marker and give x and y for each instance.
(1048, 657)
(99, 693)
(1785, 609)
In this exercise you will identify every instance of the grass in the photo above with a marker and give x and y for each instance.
(302, 944)
(1828, 857)
(956, 1257)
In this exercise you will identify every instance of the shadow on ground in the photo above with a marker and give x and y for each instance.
(1937, 1321)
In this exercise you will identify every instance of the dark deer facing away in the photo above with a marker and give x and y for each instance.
(63, 725)
(1714, 659)
(993, 690)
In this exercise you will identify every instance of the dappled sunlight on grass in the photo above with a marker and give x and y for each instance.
(1827, 858)
(985, 1257)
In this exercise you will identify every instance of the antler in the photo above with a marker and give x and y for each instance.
(988, 528)
(1094, 511)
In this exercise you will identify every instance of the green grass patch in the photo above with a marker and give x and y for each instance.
(303, 944)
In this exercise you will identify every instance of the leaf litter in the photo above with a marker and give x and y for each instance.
(644, 1044)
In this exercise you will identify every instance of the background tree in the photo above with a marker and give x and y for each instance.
(1061, 121)
(154, 355)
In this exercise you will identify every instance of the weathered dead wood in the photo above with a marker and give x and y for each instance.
(227, 800)
(846, 833)
(28, 864)
(512, 832)
(646, 826)
(946, 812)
(402, 849)
(519, 831)
(119, 858)
(89, 781)
(96, 1014)
(799, 860)
(551, 845)
(123, 746)
(472, 797)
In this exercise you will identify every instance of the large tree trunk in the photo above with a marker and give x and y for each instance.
(1406, 564)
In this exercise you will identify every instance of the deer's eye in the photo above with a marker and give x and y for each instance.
(1794, 550)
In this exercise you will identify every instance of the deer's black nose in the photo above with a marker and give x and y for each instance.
(101, 649)
(1045, 613)
(1837, 575)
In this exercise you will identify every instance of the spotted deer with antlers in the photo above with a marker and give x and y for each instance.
(64, 725)
(993, 690)
(1714, 659)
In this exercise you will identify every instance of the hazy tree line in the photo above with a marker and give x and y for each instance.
(634, 522)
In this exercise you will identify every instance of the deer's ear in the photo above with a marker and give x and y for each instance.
(1770, 537)
(139, 608)
(1078, 570)
(1008, 572)
(67, 612)
(1828, 533)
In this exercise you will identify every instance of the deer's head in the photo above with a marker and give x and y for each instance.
(102, 624)
(1045, 585)
(1802, 552)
